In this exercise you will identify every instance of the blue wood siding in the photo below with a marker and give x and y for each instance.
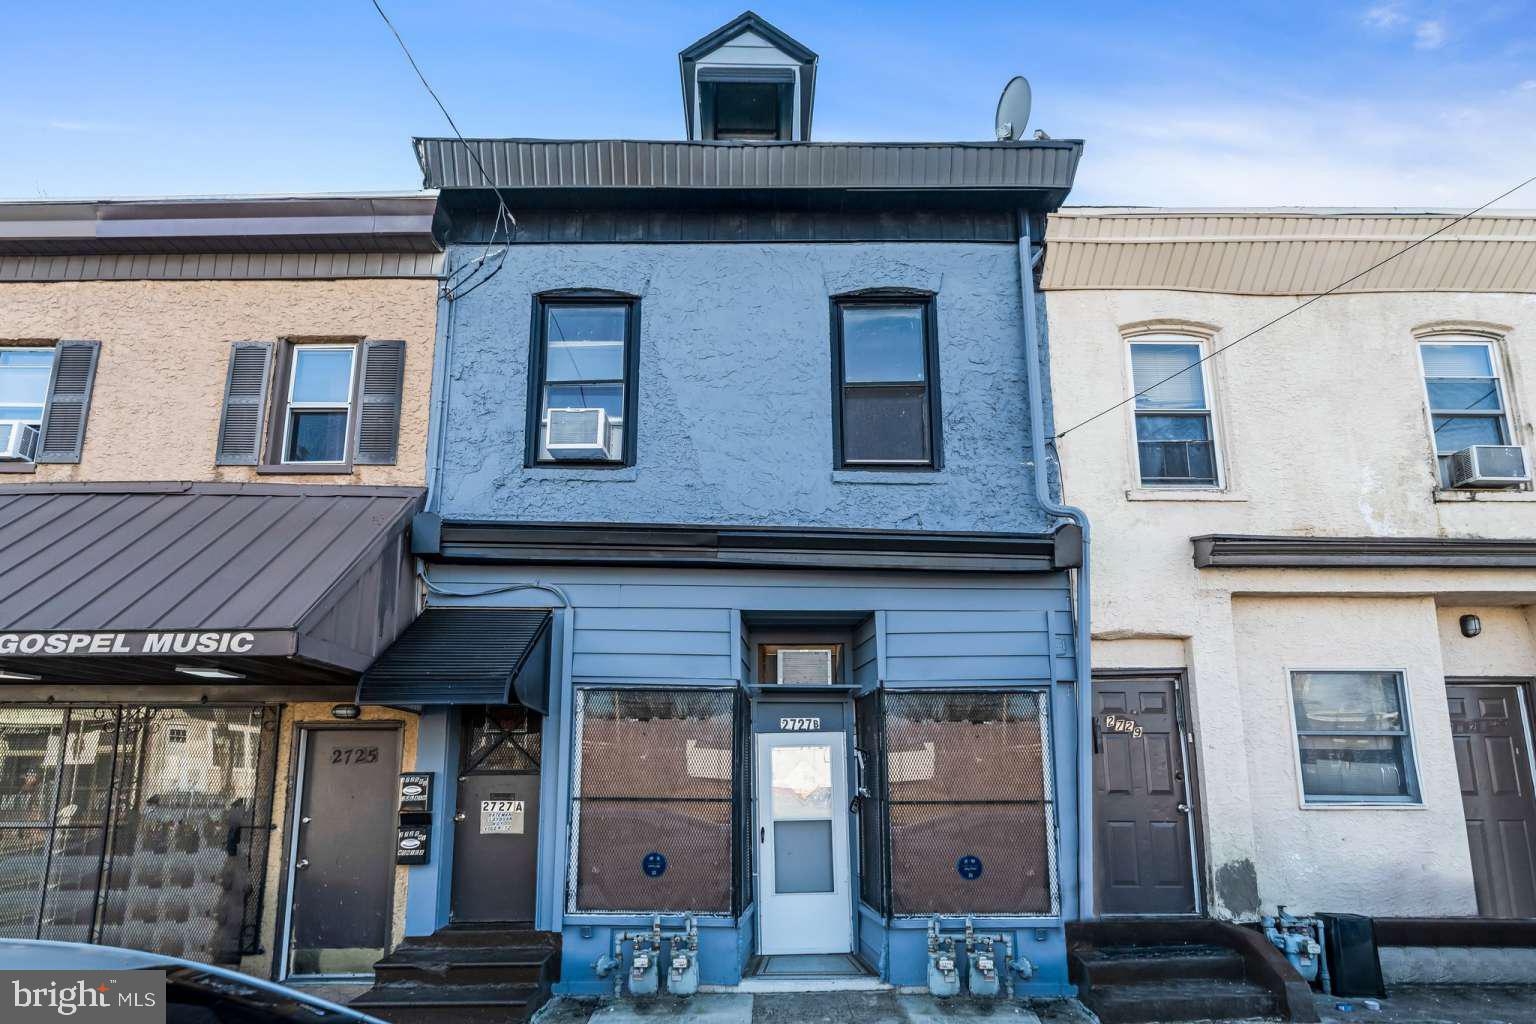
(866, 660)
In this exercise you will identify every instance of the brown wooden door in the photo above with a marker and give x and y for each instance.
(1489, 727)
(1141, 817)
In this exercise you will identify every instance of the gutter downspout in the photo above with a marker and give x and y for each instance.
(1084, 649)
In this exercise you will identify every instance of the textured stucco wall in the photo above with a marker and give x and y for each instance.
(1323, 430)
(1382, 861)
(735, 415)
(1506, 647)
(293, 715)
(165, 354)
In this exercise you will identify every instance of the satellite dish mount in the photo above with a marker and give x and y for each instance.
(1013, 110)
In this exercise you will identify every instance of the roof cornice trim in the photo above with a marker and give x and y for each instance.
(1237, 551)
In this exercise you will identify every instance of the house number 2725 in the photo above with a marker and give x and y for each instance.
(800, 724)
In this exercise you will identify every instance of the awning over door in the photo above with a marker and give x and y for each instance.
(248, 583)
(466, 656)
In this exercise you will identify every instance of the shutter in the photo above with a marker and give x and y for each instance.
(378, 413)
(69, 401)
(245, 403)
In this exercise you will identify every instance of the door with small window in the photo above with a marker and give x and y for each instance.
(496, 829)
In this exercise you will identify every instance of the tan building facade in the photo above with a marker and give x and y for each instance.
(214, 425)
(1282, 536)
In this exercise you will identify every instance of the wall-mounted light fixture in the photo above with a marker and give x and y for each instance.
(346, 711)
(208, 673)
(1471, 625)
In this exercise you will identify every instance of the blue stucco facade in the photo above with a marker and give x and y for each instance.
(735, 412)
(734, 418)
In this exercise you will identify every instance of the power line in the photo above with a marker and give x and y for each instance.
(503, 213)
(1294, 309)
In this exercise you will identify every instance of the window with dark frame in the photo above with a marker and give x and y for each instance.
(1175, 440)
(1352, 735)
(584, 363)
(886, 385)
(317, 425)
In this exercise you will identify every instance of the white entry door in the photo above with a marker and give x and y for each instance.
(803, 876)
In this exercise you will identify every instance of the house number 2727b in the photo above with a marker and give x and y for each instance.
(800, 724)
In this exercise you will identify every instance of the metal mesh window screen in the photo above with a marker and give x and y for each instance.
(143, 827)
(503, 740)
(972, 827)
(651, 821)
(873, 811)
(744, 844)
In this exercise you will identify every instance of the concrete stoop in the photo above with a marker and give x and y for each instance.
(883, 1007)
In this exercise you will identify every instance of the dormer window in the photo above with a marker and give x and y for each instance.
(750, 109)
(747, 81)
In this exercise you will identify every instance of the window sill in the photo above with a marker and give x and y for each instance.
(1183, 494)
(1366, 805)
(583, 475)
(1451, 497)
(911, 477)
(305, 469)
(18, 467)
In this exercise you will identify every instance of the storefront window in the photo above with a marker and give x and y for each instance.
(652, 820)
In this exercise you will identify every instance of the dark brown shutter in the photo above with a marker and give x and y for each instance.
(245, 403)
(378, 413)
(69, 401)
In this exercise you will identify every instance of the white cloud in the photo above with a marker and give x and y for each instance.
(1429, 35)
(1388, 15)
(84, 126)
(1529, 85)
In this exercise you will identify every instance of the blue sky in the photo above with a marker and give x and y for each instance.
(1201, 103)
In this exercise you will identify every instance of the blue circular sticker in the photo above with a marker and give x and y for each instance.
(655, 865)
(969, 867)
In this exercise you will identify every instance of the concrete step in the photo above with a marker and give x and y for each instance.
(1181, 999)
(468, 965)
(1132, 964)
(405, 1003)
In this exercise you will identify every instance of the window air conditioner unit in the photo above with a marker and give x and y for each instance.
(578, 434)
(18, 441)
(1490, 465)
(806, 666)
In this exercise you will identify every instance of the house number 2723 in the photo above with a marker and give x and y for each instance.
(800, 724)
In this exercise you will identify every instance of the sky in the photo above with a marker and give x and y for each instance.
(1382, 103)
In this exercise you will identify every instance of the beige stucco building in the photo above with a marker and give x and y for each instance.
(213, 436)
(1276, 539)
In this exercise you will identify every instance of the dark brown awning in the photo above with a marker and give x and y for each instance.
(127, 583)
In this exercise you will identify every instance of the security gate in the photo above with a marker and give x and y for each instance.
(137, 826)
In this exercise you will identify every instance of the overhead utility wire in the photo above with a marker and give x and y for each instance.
(503, 214)
(1294, 309)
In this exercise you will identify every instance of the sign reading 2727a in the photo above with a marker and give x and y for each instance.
(141, 643)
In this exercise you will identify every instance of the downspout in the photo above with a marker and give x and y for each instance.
(1084, 649)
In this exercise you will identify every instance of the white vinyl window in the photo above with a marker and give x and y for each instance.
(1352, 737)
(24, 374)
(1175, 432)
(319, 413)
(1465, 391)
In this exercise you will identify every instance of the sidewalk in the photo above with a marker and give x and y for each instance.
(811, 1008)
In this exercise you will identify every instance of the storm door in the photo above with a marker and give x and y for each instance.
(1490, 727)
(802, 817)
(496, 830)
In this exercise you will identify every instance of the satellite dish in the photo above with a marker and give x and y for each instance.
(1013, 109)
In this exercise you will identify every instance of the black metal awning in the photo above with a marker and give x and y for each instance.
(465, 656)
(152, 583)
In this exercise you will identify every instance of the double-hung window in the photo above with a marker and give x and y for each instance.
(886, 385)
(319, 410)
(1466, 397)
(1175, 439)
(1352, 737)
(584, 366)
(24, 374)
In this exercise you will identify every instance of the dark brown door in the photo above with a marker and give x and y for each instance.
(496, 830)
(1141, 815)
(344, 848)
(1493, 758)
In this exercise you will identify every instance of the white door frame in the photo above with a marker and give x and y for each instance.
(790, 923)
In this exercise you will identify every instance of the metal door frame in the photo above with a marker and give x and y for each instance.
(1522, 687)
(282, 936)
(842, 868)
(1195, 818)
